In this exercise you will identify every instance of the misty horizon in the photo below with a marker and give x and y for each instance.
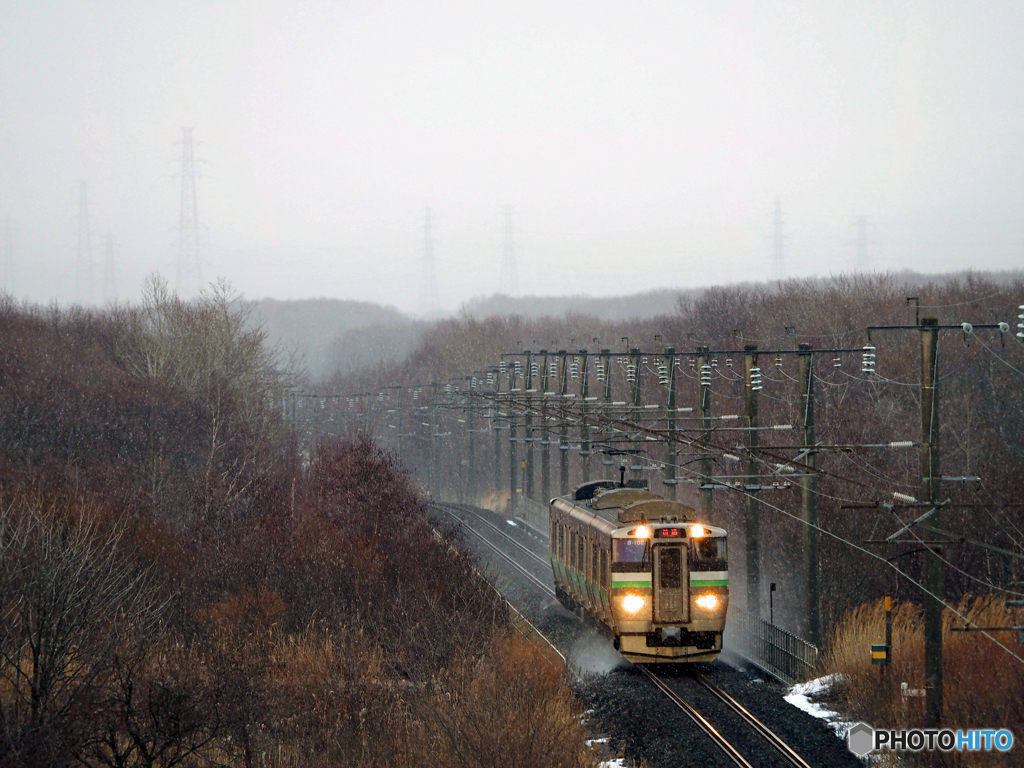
(640, 148)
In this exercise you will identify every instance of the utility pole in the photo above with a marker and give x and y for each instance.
(435, 475)
(778, 245)
(704, 371)
(545, 437)
(109, 282)
(429, 302)
(606, 372)
(83, 269)
(633, 375)
(471, 448)
(752, 376)
(809, 497)
(513, 437)
(931, 476)
(530, 391)
(563, 427)
(401, 436)
(671, 451)
(584, 426)
(190, 272)
(496, 426)
(509, 279)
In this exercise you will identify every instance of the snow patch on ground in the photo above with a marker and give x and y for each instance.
(513, 523)
(800, 697)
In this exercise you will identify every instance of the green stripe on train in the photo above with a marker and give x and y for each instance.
(712, 583)
(631, 584)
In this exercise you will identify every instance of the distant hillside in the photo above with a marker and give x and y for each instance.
(316, 325)
(662, 301)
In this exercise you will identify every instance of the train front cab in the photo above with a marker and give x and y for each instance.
(670, 591)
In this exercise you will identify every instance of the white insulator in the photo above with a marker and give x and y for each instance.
(714, 362)
(968, 328)
(904, 497)
(1004, 327)
(756, 389)
(730, 456)
(902, 444)
(782, 426)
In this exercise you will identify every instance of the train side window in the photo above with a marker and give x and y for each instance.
(572, 548)
(594, 568)
(561, 543)
(581, 558)
(604, 568)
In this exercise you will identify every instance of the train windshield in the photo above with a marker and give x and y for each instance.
(709, 550)
(630, 550)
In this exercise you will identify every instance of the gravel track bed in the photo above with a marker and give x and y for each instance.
(641, 723)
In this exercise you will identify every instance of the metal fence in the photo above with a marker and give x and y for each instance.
(534, 513)
(779, 652)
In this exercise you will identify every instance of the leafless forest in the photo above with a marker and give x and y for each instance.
(181, 585)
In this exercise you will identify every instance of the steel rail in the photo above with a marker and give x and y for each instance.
(498, 529)
(787, 752)
(698, 718)
(451, 510)
(520, 614)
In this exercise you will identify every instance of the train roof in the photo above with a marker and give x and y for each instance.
(630, 503)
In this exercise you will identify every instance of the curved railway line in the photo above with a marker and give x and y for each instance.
(462, 512)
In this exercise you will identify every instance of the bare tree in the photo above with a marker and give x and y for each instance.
(69, 591)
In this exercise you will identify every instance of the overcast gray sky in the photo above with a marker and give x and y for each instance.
(641, 144)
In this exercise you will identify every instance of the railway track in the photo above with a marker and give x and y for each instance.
(764, 731)
(454, 511)
(787, 754)
(458, 512)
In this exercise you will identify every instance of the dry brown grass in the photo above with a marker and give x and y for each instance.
(512, 708)
(983, 683)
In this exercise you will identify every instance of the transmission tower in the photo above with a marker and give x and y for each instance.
(862, 244)
(83, 265)
(429, 302)
(9, 258)
(509, 278)
(109, 282)
(778, 245)
(190, 273)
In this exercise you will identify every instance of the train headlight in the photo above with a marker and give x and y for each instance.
(708, 602)
(643, 532)
(633, 603)
(698, 532)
